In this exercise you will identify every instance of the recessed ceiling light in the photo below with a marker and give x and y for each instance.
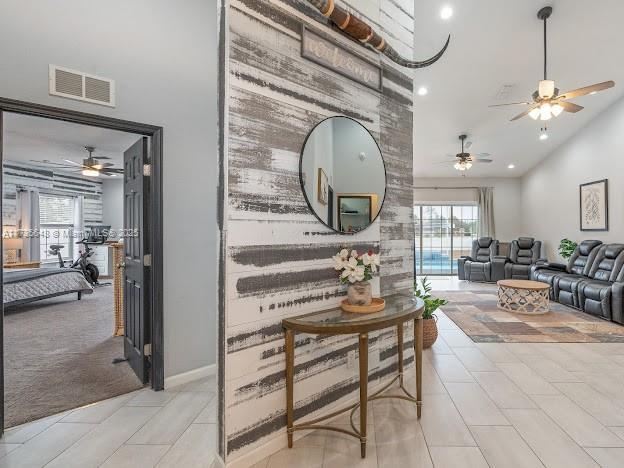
(446, 12)
(511, 166)
(423, 91)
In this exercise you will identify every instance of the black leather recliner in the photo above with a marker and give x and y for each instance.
(593, 280)
(578, 264)
(478, 267)
(595, 295)
(523, 254)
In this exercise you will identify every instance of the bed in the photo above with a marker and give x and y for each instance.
(24, 286)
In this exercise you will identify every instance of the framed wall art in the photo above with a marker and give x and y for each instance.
(594, 205)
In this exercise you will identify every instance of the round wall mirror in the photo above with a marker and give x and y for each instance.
(342, 175)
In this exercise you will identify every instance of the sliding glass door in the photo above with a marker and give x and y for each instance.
(443, 234)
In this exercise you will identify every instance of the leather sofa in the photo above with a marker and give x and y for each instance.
(523, 254)
(592, 281)
(478, 266)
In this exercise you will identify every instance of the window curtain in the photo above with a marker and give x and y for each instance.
(485, 199)
(29, 223)
(78, 218)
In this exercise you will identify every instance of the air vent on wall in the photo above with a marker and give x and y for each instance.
(81, 86)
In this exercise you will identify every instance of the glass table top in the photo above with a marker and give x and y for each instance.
(399, 308)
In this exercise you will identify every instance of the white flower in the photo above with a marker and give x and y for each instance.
(346, 273)
(366, 259)
(358, 273)
(339, 262)
(354, 254)
(353, 262)
(344, 254)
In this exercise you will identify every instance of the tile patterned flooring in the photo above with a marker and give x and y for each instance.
(485, 404)
(490, 404)
(173, 428)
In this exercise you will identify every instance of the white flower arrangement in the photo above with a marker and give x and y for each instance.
(356, 267)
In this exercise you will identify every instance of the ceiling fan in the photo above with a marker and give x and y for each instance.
(90, 167)
(463, 161)
(547, 102)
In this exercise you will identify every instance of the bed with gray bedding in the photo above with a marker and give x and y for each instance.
(24, 286)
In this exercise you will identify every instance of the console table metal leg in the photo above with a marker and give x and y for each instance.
(363, 390)
(418, 347)
(290, 377)
(400, 351)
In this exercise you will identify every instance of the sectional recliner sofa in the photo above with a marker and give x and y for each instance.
(592, 280)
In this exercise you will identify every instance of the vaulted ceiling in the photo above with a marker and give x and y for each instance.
(496, 56)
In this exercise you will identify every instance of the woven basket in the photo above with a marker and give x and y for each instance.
(430, 332)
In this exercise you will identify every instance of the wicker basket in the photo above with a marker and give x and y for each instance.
(430, 332)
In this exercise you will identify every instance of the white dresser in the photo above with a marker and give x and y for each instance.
(102, 259)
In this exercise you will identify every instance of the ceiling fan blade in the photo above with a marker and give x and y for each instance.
(571, 107)
(102, 157)
(484, 160)
(76, 164)
(52, 163)
(526, 112)
(113, 170)
(482, 155)
(587, 90)
(512, 104)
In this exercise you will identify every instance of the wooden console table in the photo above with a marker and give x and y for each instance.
(399, 309)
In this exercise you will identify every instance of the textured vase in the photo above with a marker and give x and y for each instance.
(360, 293)
(430, 332)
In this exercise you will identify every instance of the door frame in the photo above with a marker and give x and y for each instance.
(155, 209)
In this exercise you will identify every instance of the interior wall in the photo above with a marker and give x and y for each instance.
(112, 204)
(507, 199)
(17, 174)
(163, 58)
(550, 191)
(278, 256)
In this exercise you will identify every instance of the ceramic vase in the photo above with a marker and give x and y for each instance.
(360, 293)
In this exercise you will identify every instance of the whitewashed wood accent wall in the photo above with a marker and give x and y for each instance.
(277, 255)
(17, 174)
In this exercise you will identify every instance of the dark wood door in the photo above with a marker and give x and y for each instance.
(136, 296)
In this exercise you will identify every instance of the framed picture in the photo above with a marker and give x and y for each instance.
(594, 206)
(322, 189)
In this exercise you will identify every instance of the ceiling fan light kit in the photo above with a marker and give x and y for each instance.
(547, 101)
(464, 161)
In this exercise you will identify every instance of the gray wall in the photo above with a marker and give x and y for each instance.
(278, 255)
(550, 191)
(163, 56)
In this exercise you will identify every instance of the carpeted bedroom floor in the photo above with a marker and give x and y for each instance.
(58, 355)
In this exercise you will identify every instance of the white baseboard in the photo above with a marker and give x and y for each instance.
(190, 376)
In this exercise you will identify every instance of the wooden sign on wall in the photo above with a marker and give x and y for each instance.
(321, 50)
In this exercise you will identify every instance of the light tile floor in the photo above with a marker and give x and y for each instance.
(173, 428)
(490, 404)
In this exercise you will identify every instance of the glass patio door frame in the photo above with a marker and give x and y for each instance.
(453, 270)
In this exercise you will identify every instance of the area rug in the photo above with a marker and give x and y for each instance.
(476, 313)
(58, 355)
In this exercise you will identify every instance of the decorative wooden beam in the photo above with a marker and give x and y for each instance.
(363, 32)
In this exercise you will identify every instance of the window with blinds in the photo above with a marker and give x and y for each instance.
(56, 217)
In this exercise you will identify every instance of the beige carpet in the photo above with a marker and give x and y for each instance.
(58, 355)
(477, 314)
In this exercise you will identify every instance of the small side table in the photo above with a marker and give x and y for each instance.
(523, 297)
(399, 310)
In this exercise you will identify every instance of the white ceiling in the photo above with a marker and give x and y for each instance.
(29, 138)
(496, 43)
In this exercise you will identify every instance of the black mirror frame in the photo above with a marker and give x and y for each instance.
(305, 195)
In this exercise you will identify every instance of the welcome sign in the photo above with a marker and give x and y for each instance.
(323, 51)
